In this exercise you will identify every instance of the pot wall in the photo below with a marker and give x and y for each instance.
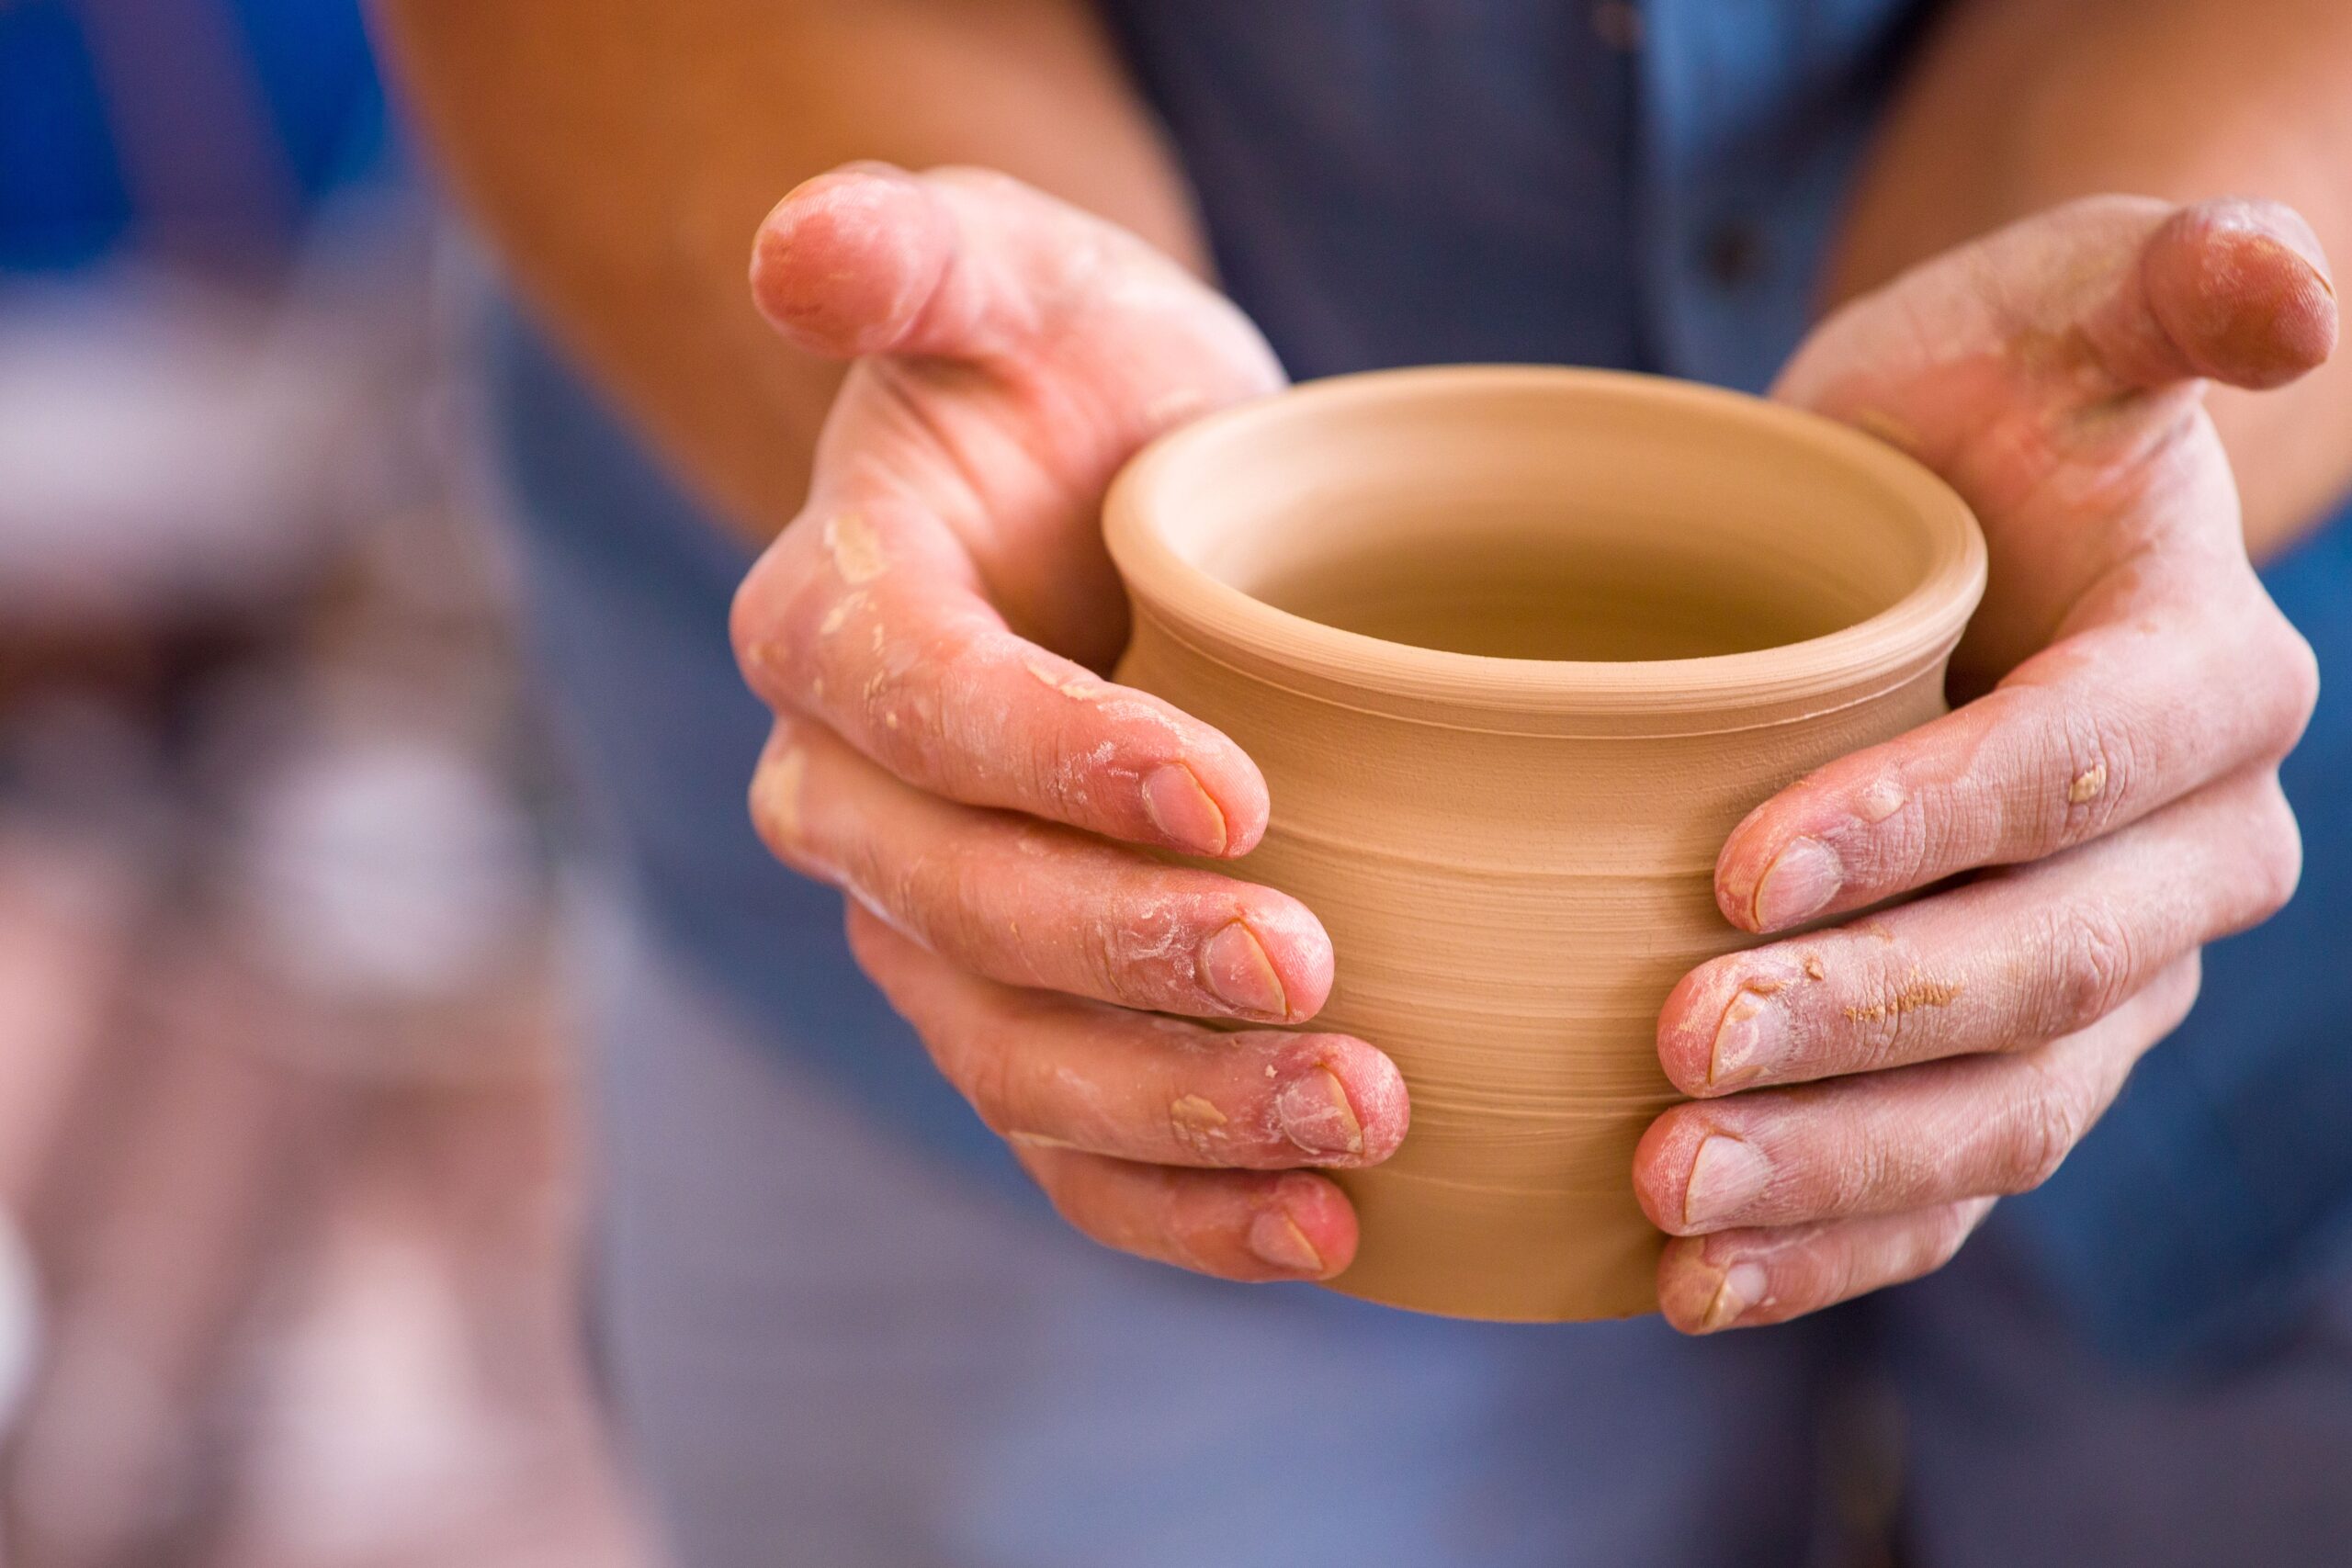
(1514, 856)
(1508, 911)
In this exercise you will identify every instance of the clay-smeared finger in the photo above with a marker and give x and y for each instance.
(2096, 733)
(2006, 358)
(868, 619)
(1035, 905)
(1239, 1226)
(1998, 964)
(1909, 1138)
(1750, 1277)
(974, 265)
(2050, 372)
(1046, 1070)
(1018, 351)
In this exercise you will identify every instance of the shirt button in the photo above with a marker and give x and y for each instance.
(1733, 253)
(1618, 24)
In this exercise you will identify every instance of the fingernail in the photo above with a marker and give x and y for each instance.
(1237, 968)
(1315, 1116)
(1179, 808)
(1798, 884)
(1727, 1175)
(1752, 1039)
(1278, 1241)
(1742, 1287)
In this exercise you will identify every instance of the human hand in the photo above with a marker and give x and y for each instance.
(1865, 1092)
(928, 632)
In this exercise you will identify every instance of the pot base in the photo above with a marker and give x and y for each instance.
(1441, 1257)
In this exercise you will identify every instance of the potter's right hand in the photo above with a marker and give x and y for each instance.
(928, 632)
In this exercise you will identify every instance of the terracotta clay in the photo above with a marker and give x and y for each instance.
(1516, 649)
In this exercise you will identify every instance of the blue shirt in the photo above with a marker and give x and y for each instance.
(1390, 182)
(297, 72)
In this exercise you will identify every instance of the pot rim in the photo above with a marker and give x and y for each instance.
(1917, 630)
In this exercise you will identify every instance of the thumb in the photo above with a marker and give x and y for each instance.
(853, 261)
(2063, 317)
(2237, 291)
(973, 266)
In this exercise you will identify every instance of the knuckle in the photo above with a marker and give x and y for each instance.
(979, 1062)
(779, 808)
(2093, 965)
(1940, 1238)
(942, 891)
(2187, 984)
(2171, 994)
(2290, 671)
(2092, 765)
(2277, 861)
(760, 618)
(751, 614)
(1832, 1269)
(1946, 1234)
(1085, 1203)
(2051, 1120)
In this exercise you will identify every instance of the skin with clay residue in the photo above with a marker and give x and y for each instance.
(1196, 1122)
(1917, 994)
(856, 547)
(1071, 681)
(779, 792)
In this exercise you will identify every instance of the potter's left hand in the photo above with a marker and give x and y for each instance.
(2115, 789)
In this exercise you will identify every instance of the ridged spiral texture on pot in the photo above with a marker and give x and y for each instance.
(1515, 857)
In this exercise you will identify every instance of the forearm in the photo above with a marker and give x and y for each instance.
(2018, 105)
(620, 153)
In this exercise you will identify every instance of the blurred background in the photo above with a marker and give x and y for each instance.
(288, 1205)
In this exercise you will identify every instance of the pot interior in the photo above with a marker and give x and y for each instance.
(1545, 518)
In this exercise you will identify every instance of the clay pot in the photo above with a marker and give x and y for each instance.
(1516, 649)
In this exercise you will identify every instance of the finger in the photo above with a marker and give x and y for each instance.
(2003, 356)
(869, 622)
(1018, 351)
(1996, 964)
(973, 266)
(1750, 1277)
(2049, 372)
(1053, 1071)
(883, 609)
(1911, 1138)
(858, 260)
(2040, 370)
(1254, 1227)
(2094, 734)
(2237, 291)
(1033, 905)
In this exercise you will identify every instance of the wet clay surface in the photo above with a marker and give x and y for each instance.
(1685, 599)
